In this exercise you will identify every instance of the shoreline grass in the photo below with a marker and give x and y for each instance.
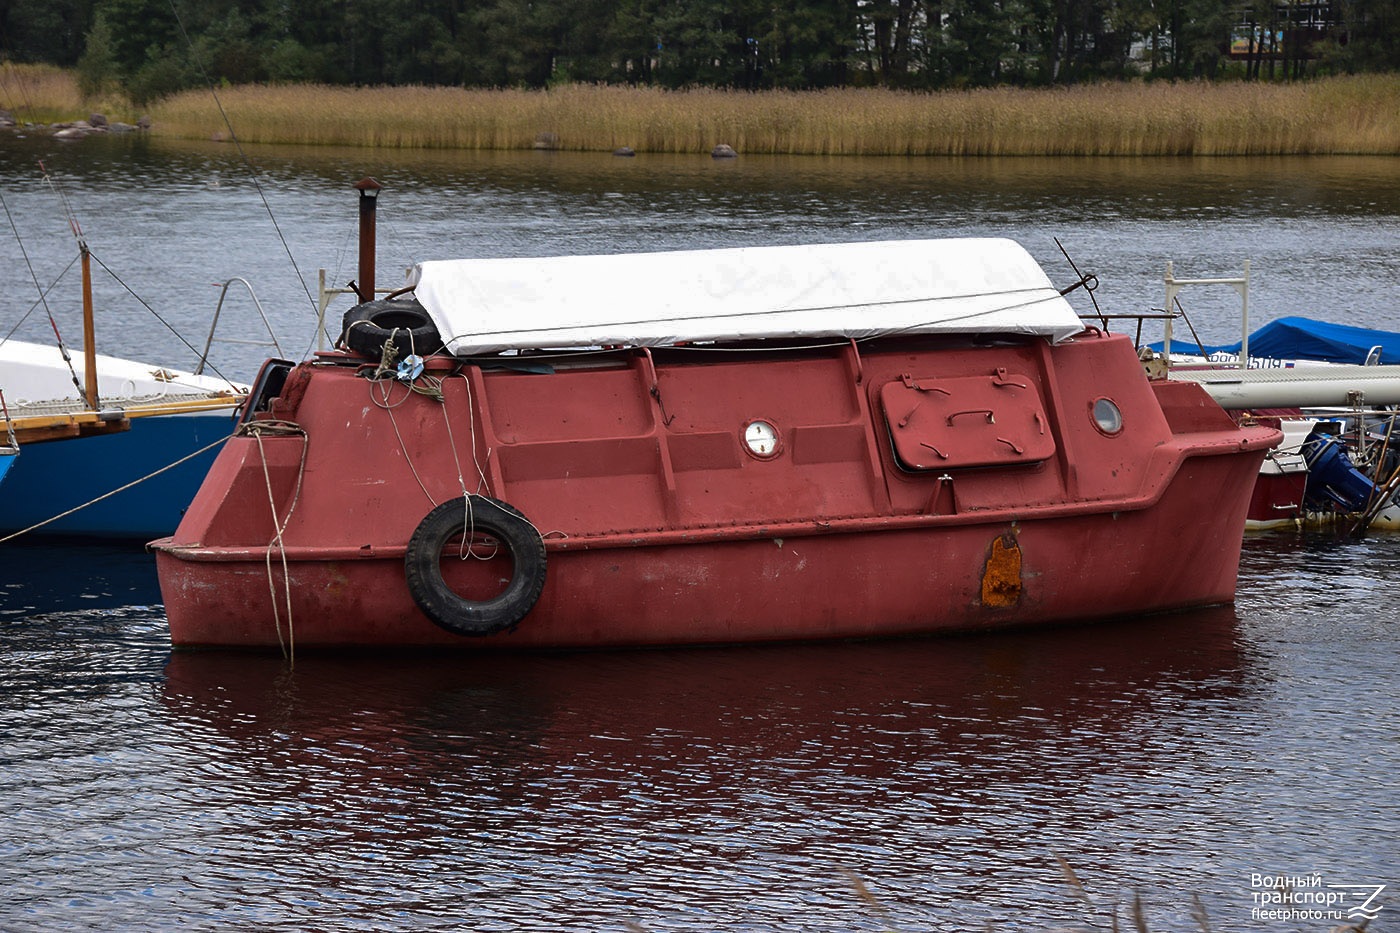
(1335, 116)
(45, 94)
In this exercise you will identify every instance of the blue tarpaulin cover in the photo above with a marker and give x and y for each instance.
(1300, 338)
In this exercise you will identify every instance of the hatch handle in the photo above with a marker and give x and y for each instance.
(972, 411)
(911, 383)
(1001, 380)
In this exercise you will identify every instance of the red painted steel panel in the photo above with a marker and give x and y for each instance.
(662, 528)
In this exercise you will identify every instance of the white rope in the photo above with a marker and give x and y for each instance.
(283, 428)
(434, 389)
(386, 387)
(482, 482)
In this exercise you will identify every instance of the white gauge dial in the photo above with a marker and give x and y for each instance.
(762, 439)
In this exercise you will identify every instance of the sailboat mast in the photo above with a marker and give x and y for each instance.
(89, 331)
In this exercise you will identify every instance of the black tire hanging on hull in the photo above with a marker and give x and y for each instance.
(475, 515)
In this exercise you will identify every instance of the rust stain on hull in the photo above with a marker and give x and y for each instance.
(1001, 577)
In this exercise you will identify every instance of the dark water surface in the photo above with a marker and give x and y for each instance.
(694, 790)
(172, 219)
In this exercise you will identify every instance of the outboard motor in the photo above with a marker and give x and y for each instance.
(1334, 482)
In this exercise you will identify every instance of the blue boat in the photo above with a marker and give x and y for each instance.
(131, 483)
(1301, 339)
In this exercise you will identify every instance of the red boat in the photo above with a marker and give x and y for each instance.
(722, 446)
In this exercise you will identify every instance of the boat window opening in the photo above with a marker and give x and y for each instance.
(1107, 416)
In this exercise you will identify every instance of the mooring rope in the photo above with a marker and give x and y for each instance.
(386, 388)
(482, 482)
(256, 430)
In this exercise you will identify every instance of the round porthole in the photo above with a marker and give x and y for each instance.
(1107, 417)
(762, 440)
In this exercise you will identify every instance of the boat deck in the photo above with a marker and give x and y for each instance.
(54, 419)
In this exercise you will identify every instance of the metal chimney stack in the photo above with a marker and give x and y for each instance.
(369, 195)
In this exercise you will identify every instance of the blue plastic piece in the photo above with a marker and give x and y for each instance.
(410, 368)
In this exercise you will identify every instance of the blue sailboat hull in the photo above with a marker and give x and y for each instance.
(52, 478)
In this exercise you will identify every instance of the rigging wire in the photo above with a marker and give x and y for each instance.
(47, 180)
(41, 300)
(156, 314)
(252, 173)
(1089, 282)
(770, 347)
(23, 90)
(63, 350)
(1034, 294)
(122, 488)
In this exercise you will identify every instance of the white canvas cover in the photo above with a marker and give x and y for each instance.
(854, 290)
(34, 374)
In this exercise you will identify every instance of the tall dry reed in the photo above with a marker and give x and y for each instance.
(49, 94)
(1355, 115)
(1351, 115)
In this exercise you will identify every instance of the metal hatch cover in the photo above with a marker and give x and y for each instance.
(966, 421)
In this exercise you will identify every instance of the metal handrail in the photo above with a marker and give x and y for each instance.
(214, 325)
(1240, 285)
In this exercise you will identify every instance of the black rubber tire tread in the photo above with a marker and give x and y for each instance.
(472, 618)
(368, 326)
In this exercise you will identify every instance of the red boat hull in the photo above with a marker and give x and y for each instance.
(660, 529)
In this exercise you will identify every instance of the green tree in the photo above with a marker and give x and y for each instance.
(44, 30)
(987, 41)
(141, 30)
(97, 68)
(1369, 38)
(694, 46)
(808, 47)
(514, 46)
(631, 35)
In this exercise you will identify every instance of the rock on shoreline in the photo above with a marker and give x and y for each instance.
(74, 129)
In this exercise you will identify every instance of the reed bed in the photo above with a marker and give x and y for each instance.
(1347, 115)
(49, 94)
